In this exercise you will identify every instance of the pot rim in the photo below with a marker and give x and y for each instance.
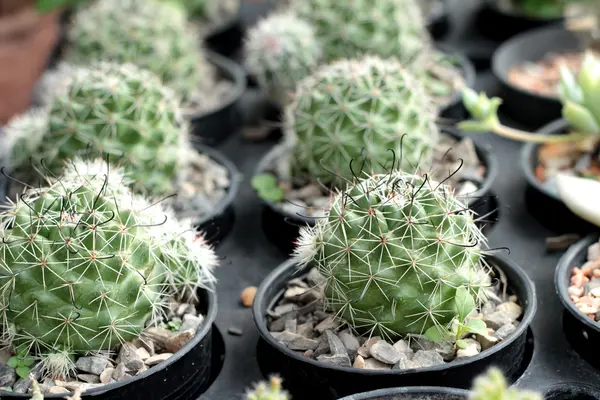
(408, 390)
(275, 276)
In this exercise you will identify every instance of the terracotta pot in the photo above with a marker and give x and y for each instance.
(26, 43)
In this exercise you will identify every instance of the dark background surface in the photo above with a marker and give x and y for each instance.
(249, 256)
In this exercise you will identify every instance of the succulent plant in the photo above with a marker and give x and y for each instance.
(280, 51)
(493, 386)
(268, 391)
(85, 264)
(151, 34)
(401, 255)
(118, 110)
(364, 106)
(348, 29)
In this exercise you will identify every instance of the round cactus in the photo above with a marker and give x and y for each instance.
(280, 51)
(388, 28)
(354, 107)
(268, 391)
(85, 264)
(493, 386)
(395, 249)
(151, 34)
(119, 110)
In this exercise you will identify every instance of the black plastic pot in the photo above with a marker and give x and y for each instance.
(304, 377)
(499, 25)
(214, 126)
(542, 200)
(226, 38)
(184, 376)
(572, 391)
(582, 333)
(523, 106)
(438, 23)
(412, 393)
(282, 228)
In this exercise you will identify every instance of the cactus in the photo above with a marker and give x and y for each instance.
(348, 29)
(493, 386)
(119, 110)
(268, 391)
(85, 264)
(152, 34)
(397, 252)
(351, 106)
(280, 51)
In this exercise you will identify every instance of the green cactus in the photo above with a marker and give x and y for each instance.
(151, 34)
(280, 51)
(368, 105)
(268, 391)
(493, 386)
(85, 265)
(119, 110)
(396, 250)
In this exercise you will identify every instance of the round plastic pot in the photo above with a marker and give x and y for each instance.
(521, 105)
(183, 376)
(226, 38)
(438, 23)
(412, 393)
(306, 377)
(454, 109)
(282, 227)
(499, 25)
(214, 126)
(542, 201)
(572, 391)
(582, 332)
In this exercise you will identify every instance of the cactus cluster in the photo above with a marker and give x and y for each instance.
(85, 264)
(493, 386)
(119, 110)
(268, 391)
(151, 34)
(370, 107)
(395, 250)
(281, 50)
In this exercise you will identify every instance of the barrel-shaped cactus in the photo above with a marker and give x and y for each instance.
(151, 34)
(280, 51)
(395, 251)
(268, 391)
(120, 111)
(85, 264)
(370, 107)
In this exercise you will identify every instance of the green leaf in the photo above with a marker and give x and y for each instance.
(262, 181)
(461, 344)
(477, 326)
(267, 188)
(13, 362)
(27, 361)
(174, 325)
(275, 195)
(464, 303)
(23, 372)
(437, 334)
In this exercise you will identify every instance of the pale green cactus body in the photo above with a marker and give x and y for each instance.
(268, 391)
(493, 386)
(85, 264)
(371, 107)
(395, 250)
(151, 34)
(280, 51)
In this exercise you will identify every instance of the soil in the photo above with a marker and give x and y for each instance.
(216, 91)
(584, 290)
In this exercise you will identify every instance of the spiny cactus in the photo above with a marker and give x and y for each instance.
(85, 264)
(151, 34)
(280, 51)
(118, 110)
(348, 29)
(345, 108)
(396, 250)
(493, 386)
(268, 391)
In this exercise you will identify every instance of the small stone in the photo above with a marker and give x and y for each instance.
(128, 355)
(306, 329)
(336, 347)
(88, 378)
(488, 308)
(593, 252)
(497, 319)
(513, 310)
(404, 362)
(248, 295)
(322, 347)
(283, 309)
(402, 346)
(504, 331)
(157, 359)
(299, 294)
(329, 323)
(278, 325)
(190, 322)
(472, 349)
(385, 352)
(371, 363)
(146, 344)
(232, 330)
(320, 315)
(315, 278)
(444, 348)
(143, 353)
(8, 375)
(308, 353)
(176, 342)
(341, 360)
(158, 335)
(294, 341)
(486, 341)
(426, 358)
(58, 390)
(185, 309)
(365, 349)
(74, 385)
(291, 325)
(22, 386)
(350, 342)
(106, 375)
(93, 365)
(297, 282)
(591, 286)
(120, 372)
(359, 362)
